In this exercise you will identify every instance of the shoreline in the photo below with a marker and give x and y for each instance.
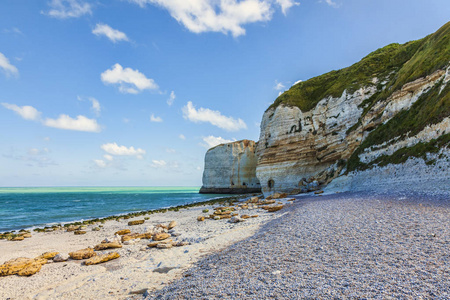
(42, 228)
(139, 267)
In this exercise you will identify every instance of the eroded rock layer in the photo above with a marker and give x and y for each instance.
(231, 169)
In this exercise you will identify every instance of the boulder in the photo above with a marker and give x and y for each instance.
(105, 246)
(277, 196)
(132, 242)
(122, 232)
(236, 219)
(26, 235)
(172, 224)
(273, 208)
(164, 245)
(102, 258)
(48, 255)
(72, 228)
(60, 257)
(154, 244)
(18, 238)
(136, 222)
(200, 218)
(82, 254)
(161, 236)
(79, 232)
(22, 266)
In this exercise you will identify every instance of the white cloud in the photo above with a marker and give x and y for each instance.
(95, 105)
(331, 3)
(158, 163)
(81, 123)
(63, 9)
(14, 30)
(212, 141)
(297, 82)
(171, 98)
(108, 157)
(130, 81)
(36, 151)
(226, 16)
(26, 112)
(286, 5)
(212, 116)
(7, 67)
(114, 149)
(278, 86)
(155, 119)
(170, 150)
(100, 163)
(181, 136)
(113, 35)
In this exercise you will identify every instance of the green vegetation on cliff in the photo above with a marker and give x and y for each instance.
(398, 64)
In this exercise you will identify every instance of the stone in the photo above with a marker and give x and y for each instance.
(172, 224)
(161, 236)
(60, 257)
(276, 196)
(22, 266)
(180, 244)
(200, 218)
(245, 217)
(101, 258)
(82, 254)
(231, 168)
(318, 192)
(266, 202)
(236, 219)
(79, 232)
(154, 244)
(18, 238)
(216, 217)
(26, 235)
(96, 229)
(164, 245)
(253, 200)
(122, 232)
(132, 242)
(254, 216)
(72, 228)
(136, 222)
(105, 246)
(48, 255)
(273, 208)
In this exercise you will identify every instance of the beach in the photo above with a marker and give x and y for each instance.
(139, 269)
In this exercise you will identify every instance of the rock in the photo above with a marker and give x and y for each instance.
(96, 229)
(154, 244)
(180, 244)
(313, 185)
(273, 208)
(105, 246)
(160, 236)
(318, 192)
(18, 238)
(22, 266)
(60, 257)
(136, 222)
(245, 216)
(255, 216)
(205, 211)
(122, 232)
(277, 196)
(225, 217)
(48, 255)
(132, 242)
(26, 235)
(82, 254)
(164, 245)
(236, 219)
(101, 258)
(175, 234)
(253, 200)
(266, 202)
(72, 228)
(220, 213)
(172, 224)
(200, 218)
(79, 232)
(216, 217)
(231, 168)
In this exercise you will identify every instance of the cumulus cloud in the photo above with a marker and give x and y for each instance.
(155, 119)
(63, 9)
(113, 35)
(212, 116)
(130, 81)
(212, 141)
(158, 163)
(278, 86)
(171, 98)
(26, 112)
(226, 16)
(181, 136)
(100, 163)
(7, 67)
(80, 123)
(331, 3)
(95, 105)
(286, 5)
(114, 149)
(108, 157)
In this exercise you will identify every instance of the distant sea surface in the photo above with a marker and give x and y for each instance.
(34, 207)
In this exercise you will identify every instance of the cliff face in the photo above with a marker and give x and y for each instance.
(392, 105)
(231, 169)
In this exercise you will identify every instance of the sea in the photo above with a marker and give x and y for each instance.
(31, 207)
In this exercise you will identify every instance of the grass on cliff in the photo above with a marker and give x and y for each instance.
(431, 108)
(399, 64)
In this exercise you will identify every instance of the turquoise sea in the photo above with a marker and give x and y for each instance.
(38, 206)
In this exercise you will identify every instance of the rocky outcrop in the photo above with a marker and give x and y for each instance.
(231, 169)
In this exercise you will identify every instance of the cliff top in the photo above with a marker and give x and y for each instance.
(245, 142)
(396, 63)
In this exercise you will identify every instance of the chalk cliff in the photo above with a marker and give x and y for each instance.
(231, 169)
(392, 105)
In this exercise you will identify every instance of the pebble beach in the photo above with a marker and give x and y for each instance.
(338, 246)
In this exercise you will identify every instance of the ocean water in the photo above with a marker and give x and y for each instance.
(31, 207)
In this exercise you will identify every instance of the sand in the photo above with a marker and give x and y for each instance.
(138, 269)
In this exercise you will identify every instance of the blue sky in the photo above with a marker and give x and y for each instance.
(132, 93)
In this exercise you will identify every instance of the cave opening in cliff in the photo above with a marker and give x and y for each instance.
(270, 183)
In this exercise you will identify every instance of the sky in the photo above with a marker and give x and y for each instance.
(134, 92)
